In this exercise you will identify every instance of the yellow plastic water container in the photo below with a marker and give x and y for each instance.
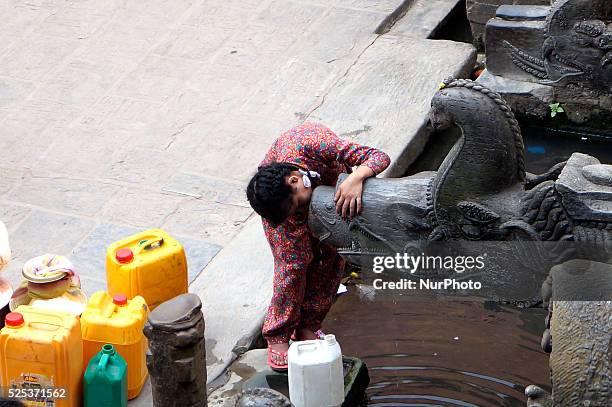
(150, 264)
(119, 322)
(41, 357)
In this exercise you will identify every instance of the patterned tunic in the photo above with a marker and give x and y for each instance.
(307, 273)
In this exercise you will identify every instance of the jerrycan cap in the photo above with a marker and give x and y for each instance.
(124, 255)
(14, 319)
(120, 299)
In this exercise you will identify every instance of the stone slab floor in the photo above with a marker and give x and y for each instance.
(117, 116)
(122, 115)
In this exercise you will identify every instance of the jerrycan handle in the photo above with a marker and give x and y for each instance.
(151, 244)
(307, 347)
(107, 352)
(103, 362)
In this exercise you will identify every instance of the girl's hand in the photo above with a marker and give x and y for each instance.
(348, 195)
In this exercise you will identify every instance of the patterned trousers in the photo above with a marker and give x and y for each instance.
(302, 300)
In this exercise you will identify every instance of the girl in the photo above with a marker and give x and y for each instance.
(307, 273)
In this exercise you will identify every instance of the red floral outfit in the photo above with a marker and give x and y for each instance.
(307, 273)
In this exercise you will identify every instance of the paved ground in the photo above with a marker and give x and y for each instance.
(122, 115)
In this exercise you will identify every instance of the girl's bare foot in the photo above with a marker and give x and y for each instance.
(282, 348)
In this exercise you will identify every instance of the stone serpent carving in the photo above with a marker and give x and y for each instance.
(482, 193)
(577, 46)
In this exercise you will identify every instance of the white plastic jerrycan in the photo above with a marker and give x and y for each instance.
(316, 378)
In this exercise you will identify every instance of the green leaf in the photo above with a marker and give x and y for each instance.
(560, 110)
(553, 113)
(554, 106)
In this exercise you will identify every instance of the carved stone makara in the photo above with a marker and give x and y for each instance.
(482, 193)
(568, 42)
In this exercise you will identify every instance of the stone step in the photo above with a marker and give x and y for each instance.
(384, 99)
(251, 371)
(424, 17)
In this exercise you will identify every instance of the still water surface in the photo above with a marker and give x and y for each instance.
(441, 351)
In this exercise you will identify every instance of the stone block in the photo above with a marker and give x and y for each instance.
(262, 44)
(19, 20)
(12, 215)
(19, 148)
(228, 15)
(297, 87)
(77, 196)
(180, 134)
(37, 115)
(345, 33)
(125, 39)
(481, 11)
(208, 189)
(177, 131)
(44, 232)
(223, 85)
(12, 273)
(35, 56)
(526, 35)
(4, 113)
(396, 74)
(9, 178)
(194, 42)
(91, 285)
(115, 111)
(13, 92)
(423, 17)
(238, 161)
(140, 208)
(168, 10)
(78, 20)
(21, 16)
(141, 166)
(382, 6)
(284, 17)
(89, 257)
(80, 83)
(157, 78)
(208, 221)
(199, 254)
(79, 151)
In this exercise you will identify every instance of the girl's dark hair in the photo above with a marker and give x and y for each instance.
(268, 192)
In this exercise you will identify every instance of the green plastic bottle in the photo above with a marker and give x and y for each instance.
(106, 379)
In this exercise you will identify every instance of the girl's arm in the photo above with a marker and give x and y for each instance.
(325, 145)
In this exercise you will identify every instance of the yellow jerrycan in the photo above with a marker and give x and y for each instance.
(41, 357)
(119, 322)
(151, 264)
